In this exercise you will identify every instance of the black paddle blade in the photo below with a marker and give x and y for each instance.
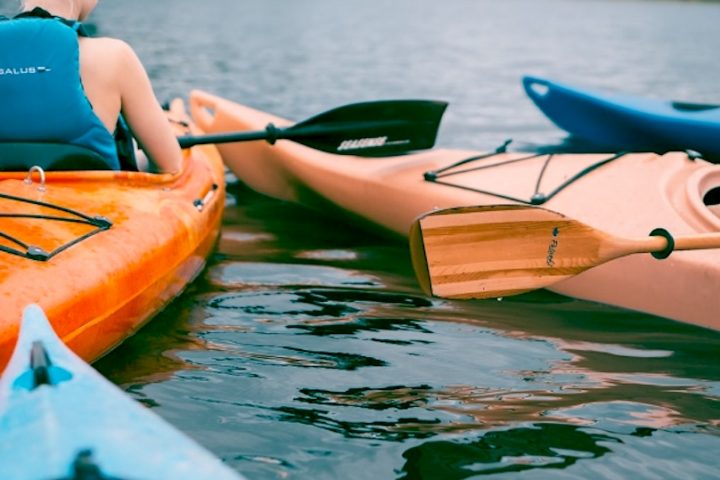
(385, 127)
(378, 128)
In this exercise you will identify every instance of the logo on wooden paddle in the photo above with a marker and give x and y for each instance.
(550, 259)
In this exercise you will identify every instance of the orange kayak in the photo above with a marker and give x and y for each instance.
(103, 251)
(625, 195)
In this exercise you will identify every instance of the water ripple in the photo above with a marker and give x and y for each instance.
(245, 274)
(306, 350)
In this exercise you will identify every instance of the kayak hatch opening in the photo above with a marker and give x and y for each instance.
(712, 197)
(711, 200)
(41, 370)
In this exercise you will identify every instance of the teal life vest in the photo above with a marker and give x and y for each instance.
(41, 93)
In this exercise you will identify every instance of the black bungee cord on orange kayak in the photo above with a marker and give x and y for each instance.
(36, 253)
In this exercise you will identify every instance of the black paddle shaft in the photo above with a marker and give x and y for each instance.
(376, 128)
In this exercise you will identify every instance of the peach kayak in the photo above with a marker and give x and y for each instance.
(103, 251)
(627, 195)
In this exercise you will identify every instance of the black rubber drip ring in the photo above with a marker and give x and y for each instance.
(664, 253)
(273, 133)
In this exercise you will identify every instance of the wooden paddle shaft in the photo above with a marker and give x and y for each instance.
(698, 242)
(656, 243)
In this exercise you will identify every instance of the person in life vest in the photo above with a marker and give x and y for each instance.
(59, 85)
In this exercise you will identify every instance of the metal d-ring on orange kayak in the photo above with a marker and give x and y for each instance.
(103, 251)
(624, 195)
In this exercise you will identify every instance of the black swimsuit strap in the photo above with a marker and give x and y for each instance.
(38, 12)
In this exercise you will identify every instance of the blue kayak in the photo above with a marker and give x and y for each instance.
(61, 420)
(625, 122)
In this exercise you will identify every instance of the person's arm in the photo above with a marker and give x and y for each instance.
(144, 115)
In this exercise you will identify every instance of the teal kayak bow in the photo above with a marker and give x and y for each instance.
(61, 420)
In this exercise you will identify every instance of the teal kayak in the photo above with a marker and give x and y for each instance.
(627, 122)
(60, 419)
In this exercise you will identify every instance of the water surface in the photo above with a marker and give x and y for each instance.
(306, 350)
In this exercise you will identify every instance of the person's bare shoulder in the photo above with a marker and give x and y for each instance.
(111, 49)
(110, 58)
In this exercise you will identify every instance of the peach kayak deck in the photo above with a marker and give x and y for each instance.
(626, 195)
(103, 251)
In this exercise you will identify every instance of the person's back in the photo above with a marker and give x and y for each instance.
(78, 99)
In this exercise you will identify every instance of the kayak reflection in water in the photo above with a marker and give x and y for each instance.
(59, 85)
(541, 445)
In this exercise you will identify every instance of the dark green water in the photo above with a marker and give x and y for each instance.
(306, 349)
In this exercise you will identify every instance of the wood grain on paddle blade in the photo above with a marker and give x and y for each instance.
(495, 251)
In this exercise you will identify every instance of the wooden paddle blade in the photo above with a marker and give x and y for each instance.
(378, 128)
(502, 250)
